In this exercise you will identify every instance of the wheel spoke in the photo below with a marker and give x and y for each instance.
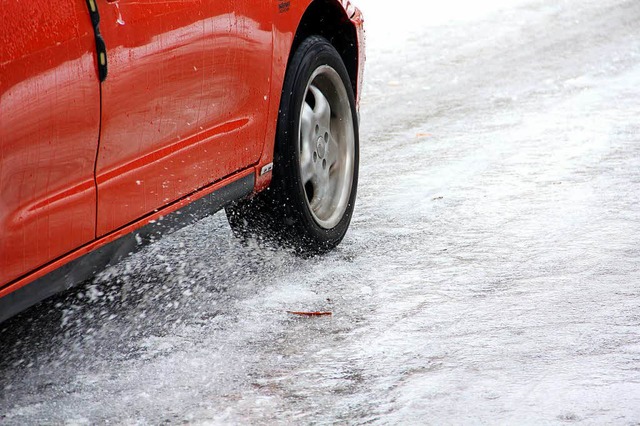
(308, 169)
(322, 110)
(333, 152)
(320, 192)
(307, 124)
(307, 146)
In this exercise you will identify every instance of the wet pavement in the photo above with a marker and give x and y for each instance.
(491, 273)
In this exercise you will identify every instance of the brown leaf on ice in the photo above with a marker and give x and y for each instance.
(310, 314)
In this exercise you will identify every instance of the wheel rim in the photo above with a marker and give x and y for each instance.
(327, 147)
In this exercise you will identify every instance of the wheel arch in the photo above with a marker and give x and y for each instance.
(335, 20)
(328, 18)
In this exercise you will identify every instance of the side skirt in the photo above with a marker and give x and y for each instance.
(87, 265)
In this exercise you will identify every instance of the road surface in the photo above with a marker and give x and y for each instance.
(491, 273)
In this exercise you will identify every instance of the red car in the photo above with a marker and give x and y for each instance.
(121, 120)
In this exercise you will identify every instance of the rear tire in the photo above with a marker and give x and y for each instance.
(310, 201)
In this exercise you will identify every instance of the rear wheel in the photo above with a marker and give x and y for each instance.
(311, 198)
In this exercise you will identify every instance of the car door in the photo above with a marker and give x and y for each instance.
(49, 124)
(184, 102)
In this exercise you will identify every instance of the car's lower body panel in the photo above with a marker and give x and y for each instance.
(83, 263)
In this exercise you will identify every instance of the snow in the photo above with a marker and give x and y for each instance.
(490, 274)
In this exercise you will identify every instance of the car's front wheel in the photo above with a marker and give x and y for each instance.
(311, 198)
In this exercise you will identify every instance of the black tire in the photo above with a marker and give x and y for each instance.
(291, 212)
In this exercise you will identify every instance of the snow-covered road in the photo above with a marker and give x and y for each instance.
(491, 273)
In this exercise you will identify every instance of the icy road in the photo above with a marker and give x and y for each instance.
(491, 273)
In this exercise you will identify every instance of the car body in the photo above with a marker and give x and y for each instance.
(122, 120)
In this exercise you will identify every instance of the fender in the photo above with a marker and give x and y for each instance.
(285, 29)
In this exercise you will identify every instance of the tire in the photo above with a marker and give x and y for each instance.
(310, 201)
